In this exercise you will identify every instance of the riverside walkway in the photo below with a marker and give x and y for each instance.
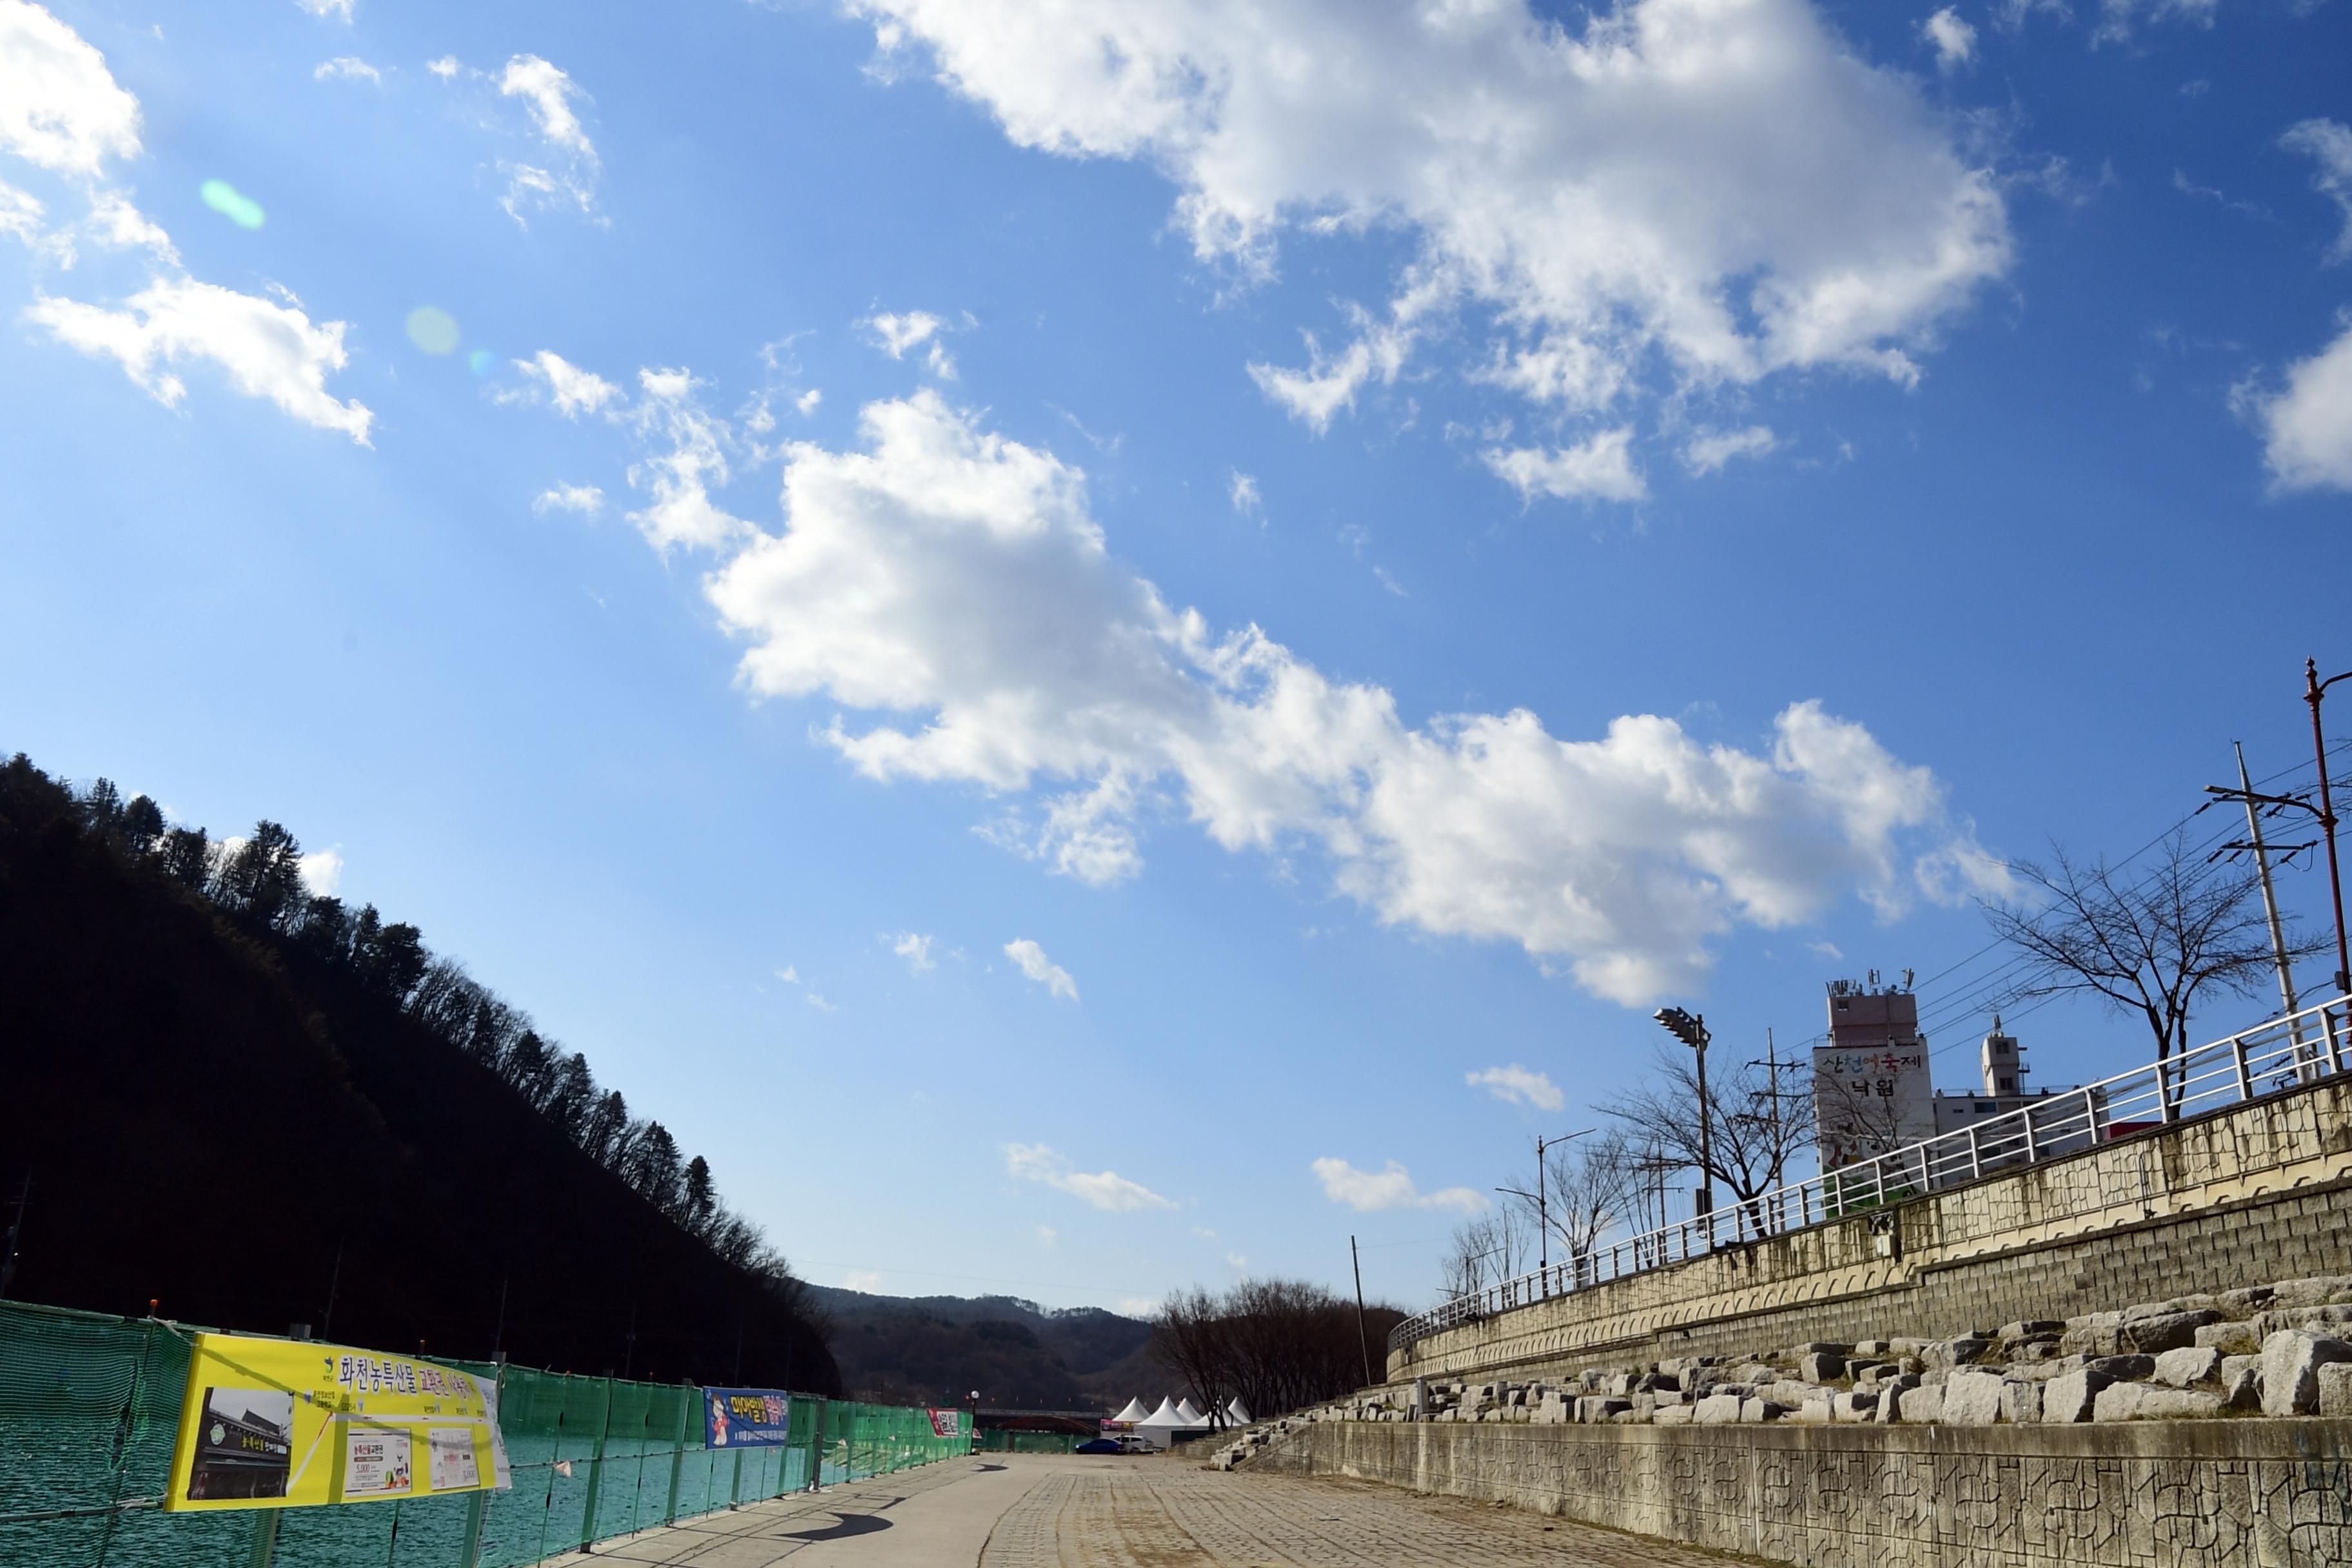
(1021, 1511)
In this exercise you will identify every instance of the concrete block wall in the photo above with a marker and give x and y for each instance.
(2178, 1494)
(2259, 1193)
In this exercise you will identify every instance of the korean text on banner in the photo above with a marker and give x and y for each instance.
(947, 1423)
(746, 1417)
(287, 1424)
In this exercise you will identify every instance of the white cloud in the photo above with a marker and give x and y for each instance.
(340, 10)
(953, 587)
(1241, 490)
(266, 350)
(1237, 1262)
(820, 1003)
(2307, 426)
(896, 334)
(1204, 1233)
(1955, 39)
(1600, 468)
(348, 68)
(2329, 143)
(1047, 1236)
(1518, 1085)
(323, 870)
(571, 390)
(2117, 17)
(807, 401)
(1138, 1307)
(1367, 1192)
(679, 478)
(790, 975)
(568, 176)
(61, 108)
(1032, 962)
(869, 1280)
(1104, 1190)
(117, 224)
(916, 949)
(1708, 451)
(586, 500)
(1678, 195)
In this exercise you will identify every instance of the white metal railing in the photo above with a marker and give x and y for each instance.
(2284, 1053)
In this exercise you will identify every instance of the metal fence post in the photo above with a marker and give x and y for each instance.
(693, 1403)
(597, 1472)
(2245, 1078)
(816, 1446)
(265, 1537)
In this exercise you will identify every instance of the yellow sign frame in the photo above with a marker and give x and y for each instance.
(295, 1423)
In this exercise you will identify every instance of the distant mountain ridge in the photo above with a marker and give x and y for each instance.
(1020, 1355)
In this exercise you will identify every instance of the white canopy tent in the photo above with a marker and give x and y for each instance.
(1192, 1417)
(1160, 1428)
(1237, 1413)
(1133, 1413)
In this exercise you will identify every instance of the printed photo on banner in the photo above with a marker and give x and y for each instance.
(375, 1463)
(244, 1444)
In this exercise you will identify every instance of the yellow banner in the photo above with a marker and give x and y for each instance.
(290, 1423)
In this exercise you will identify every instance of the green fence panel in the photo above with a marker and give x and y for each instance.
(90, 1405)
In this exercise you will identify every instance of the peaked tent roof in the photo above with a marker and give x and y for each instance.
(1164, 1416)
(1237, 1410)
(1132, 1413)
(1191, 1417)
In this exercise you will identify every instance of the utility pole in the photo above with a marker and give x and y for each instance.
(16, 1229)
(1364, 1343)
(1779, 1142)
(1543, 1205)
(2314, 689)
(2270, 899)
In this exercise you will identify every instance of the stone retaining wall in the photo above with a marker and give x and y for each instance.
(2259, 1191)
(2182, 1494)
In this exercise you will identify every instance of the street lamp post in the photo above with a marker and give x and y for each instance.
(1543, 1205)
(1691, 1030)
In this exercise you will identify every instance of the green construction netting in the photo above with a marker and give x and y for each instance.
(992, 1441)
(90, 1406)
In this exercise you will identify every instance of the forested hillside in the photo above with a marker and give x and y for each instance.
(1018, 1354)
(260, 1108)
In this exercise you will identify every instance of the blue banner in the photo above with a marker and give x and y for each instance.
(746, 1417)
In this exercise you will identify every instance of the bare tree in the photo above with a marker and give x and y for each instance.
(1753, 1134)
(1589, 1188)
(1486, 1250)
(2151, 947)
(1279, 1344)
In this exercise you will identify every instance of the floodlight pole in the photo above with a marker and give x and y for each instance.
(1691, 1030)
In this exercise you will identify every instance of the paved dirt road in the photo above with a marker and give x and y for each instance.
(1032, 1511)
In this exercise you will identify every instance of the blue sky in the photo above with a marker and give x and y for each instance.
(1027, 620)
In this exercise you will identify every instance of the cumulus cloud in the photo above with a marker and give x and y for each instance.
(1033, 962)
(267, 350)
(321, 871)
(1955, 39)
(1518, 1085)
(61, 108)
(2306, 426)
(1105, 1190)
(1241, 490)
(916, 949)
(586, 500)
(566, 169)
(2329, 144)
(571, 390)
(690, 458)
(1672, 195)
(1367, 1192)
(2118, 17)
(339, 10)
(949, 592)
(348, 68)
(897, 335)
(1708, 451)
(1600, 468)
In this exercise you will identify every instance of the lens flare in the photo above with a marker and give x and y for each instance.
(433, 329)
(226, 200)
(481, 362)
